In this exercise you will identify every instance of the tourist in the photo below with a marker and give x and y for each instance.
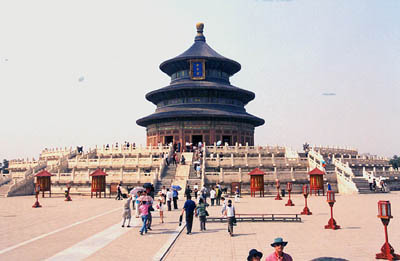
(127, 211)
(174, 158)
(329, 187)
(175, 198)
(198, 170)
(166, 159)
(370, 182)
(144, 211)
(254, 255)
(223, 205)
(204, 192)
(278, 254)
(182, 160)
(160, 205)
(164, 193)
(218, 194)
(169, 199)
(202, 213)
(188, 191)
(196, 190)
(149, 215)
(230, 214)
(189, 208)
(137, 204)
(374, 184)
(212, 195)
(119, 193)
(237, 194)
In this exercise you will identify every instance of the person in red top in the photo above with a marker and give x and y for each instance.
(278, 254)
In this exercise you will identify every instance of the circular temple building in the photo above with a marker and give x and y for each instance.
(200, 104)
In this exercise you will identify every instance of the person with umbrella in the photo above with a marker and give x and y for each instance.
(175, 189)
(135, 193)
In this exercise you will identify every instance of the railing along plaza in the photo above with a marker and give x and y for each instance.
(259, 218)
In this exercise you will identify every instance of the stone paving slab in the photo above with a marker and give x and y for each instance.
(360, 238)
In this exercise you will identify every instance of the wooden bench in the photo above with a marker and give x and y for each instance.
(259, 218)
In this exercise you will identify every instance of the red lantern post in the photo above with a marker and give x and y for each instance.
(306, 191)
(278, 185)
(67, 196)
(385, 214)
(331, 201)
(289, 187)
(37, 191)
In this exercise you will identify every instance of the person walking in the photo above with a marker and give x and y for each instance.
(223, 206)
(189, 208)
(219, 195)
(144, 211)
(212, 195)
(202, 213)
(237, 194)
(137, 203)
(164, 193)
(278, 254)
(119, 193)
(196, 190)
(188, 191)
(127, 212)
(169, 199)
(160, 205)
(230, 214)
(175, 198)
(370, 182)
(204, 193)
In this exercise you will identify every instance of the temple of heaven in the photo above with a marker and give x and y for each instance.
(200, 104)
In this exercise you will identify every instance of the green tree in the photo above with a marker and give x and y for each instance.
(395, 162)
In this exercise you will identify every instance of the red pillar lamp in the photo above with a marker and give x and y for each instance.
(306, 191)
(37, 191)
(278, 185)
(67, 195)
(385, 214)
(289, 187)
(330, 196)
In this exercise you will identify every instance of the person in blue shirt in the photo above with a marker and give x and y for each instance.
(189, 208)
(175, 198)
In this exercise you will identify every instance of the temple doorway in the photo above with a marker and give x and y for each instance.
(196, 139)
(168, 139)
(226, 139)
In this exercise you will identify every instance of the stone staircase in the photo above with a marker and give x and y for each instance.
(167, 177)
(4, 188)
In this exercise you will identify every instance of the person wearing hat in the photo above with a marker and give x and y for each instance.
(254, 255)
(160, 205)
(278, 254)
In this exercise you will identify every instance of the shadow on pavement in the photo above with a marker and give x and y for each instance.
(328, 259)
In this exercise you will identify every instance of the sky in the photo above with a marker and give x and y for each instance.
(76, 72)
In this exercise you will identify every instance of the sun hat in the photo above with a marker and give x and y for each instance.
(278, 241)
(253, 253)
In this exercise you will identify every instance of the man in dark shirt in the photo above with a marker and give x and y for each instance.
(189, 208)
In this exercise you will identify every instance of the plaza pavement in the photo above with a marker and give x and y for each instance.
(90, 230)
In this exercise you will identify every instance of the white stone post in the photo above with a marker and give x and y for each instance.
(240, 175)
(221, 175)
(232, 162)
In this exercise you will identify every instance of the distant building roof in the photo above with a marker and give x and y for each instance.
(98, 172)
(43, 173)
(316, 171)
(256, 171)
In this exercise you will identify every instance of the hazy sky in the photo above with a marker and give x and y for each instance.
(291, 53)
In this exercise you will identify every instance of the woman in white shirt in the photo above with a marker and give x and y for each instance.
(230, 214)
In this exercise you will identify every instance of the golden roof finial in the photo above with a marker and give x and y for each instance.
(200, 27)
